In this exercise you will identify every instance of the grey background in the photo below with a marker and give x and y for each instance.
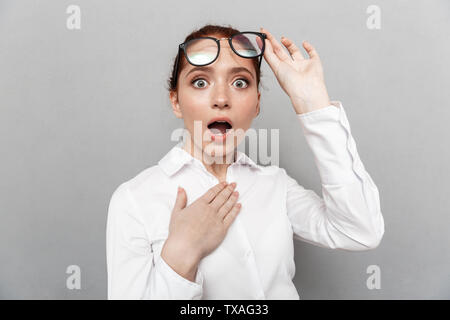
(82, 111)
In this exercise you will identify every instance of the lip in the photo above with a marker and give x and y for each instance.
(220, 137)
(220, 119)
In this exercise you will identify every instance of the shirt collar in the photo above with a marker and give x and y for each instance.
(177, 157)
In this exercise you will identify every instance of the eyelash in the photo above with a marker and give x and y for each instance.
(244, 79)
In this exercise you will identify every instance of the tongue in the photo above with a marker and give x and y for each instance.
(218, 128)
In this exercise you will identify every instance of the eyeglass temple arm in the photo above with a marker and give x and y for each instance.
(264, 36)
(176, 67)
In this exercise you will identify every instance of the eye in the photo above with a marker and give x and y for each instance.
(200, 81)
(241, 83)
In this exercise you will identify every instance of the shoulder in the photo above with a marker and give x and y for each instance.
(147, 184)
(147, 178)
(271, 171)
(277, 177)
(142, 182)
(271, 175)
(147, 198)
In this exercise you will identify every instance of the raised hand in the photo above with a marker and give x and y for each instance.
(302, 79)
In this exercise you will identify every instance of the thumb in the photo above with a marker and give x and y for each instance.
(180, 202)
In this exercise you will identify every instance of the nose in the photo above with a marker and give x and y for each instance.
(220, 96)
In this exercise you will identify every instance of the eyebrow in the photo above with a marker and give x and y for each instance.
(210, 69)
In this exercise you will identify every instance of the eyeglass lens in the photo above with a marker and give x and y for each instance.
(204, 51)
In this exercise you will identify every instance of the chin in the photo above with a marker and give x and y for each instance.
(219, 151)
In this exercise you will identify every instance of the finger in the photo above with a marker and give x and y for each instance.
(223, 196)
(213, 192)
(259, 42)
(229, 218)
(292, 48)
(180, 202)
(311, 50)
(269, 55)
(228, 205)
(276, 47)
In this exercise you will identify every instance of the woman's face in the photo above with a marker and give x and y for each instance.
(225, 88)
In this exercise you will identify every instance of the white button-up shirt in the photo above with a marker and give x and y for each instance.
(256, 258)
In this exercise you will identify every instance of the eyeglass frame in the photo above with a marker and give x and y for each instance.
(182, 47)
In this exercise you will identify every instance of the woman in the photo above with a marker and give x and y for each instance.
(227, 232)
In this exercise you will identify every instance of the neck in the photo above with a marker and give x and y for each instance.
(217, 166)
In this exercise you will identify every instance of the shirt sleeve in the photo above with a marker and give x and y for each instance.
(135, 269)
(348, 217)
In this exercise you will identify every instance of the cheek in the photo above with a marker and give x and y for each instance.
(246, 104)
(193, 106)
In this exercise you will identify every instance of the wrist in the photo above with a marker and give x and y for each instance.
(301, 107)
(182, 259)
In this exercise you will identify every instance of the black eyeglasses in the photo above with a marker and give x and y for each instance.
(205, 50)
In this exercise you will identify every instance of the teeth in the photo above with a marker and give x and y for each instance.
(217, 132)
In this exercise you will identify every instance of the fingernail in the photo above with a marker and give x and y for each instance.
(179, 190)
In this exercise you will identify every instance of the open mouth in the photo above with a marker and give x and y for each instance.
(220, 127)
